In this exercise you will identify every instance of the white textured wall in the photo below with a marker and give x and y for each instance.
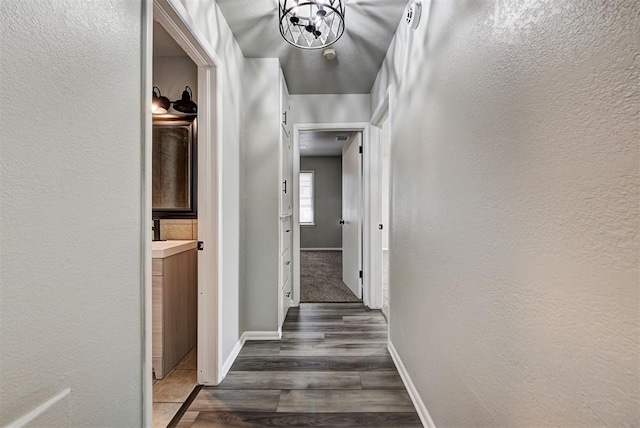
(327, 230)
(172, 73)
(71, 210)
(514, 238)
(260, 255)
(335, 108)
(210, 22)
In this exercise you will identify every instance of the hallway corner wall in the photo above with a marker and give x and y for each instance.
(71, 218)
(259, 292)
(211, 23)
(514, 224)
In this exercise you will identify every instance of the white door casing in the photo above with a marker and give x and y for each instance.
(351, 209)
(363, 127)
(373, 160)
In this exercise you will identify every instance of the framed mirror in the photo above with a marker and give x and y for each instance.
(174, 174)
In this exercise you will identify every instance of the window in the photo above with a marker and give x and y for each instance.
(307, 214)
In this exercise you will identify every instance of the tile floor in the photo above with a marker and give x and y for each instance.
(173, 390)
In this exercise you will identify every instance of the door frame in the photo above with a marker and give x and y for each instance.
(374, 159)
(356, 138)
(365, 250)
(176, 21)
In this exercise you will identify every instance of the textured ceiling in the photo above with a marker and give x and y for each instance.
(322, 143)
(370, 26)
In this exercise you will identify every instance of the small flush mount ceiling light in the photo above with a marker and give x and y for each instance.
(159, 104)
(329, 54)
(185, 104)
(312, 24)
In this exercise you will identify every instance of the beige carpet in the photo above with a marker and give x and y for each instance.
(321, 278)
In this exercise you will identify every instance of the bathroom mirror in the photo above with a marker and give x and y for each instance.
(174, 174)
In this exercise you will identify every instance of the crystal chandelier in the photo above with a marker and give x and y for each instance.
(312, 24)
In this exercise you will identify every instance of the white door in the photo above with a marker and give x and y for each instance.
(351, 238)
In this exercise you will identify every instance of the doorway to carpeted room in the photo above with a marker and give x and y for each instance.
(321, 278)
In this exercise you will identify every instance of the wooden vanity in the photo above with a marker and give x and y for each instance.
(174, 303)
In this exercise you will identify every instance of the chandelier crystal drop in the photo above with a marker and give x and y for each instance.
(311, 24)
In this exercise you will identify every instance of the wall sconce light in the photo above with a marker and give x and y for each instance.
(161, 104)
(185, 104)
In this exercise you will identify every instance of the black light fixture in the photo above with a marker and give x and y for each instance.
(159, 104)
(185, 104)
(313, 24)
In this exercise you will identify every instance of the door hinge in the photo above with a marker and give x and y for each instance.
(200, 246)
(360, 149)
(360, 275)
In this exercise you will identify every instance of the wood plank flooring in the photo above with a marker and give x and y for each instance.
(331, 369)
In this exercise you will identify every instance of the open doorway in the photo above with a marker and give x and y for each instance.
(328, 207)
(322, 218)
(379, 210)
(175, 224)
(181, 280)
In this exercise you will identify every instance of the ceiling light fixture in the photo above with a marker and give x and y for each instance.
(313, 24)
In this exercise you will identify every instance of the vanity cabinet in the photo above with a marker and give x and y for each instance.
(174, 308)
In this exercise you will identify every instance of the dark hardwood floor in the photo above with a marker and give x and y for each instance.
(331, 369)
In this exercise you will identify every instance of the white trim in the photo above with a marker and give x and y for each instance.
(321, 249)
(232, 357)
(423, 413)
(35, 413)
(261, 335)
(145, 210)
(373, 160)
(297, 127)
(247, 335)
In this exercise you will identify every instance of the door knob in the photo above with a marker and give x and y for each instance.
(341, 221)
(380, 227)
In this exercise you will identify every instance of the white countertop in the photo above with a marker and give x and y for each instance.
(162, 249)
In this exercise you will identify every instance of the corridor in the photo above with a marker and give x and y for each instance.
(331, 368)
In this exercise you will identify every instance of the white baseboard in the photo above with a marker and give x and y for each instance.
(320, 249)
(231, 358)
(42, 409)
(423, 413)
(247, 335)
(261, 335)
